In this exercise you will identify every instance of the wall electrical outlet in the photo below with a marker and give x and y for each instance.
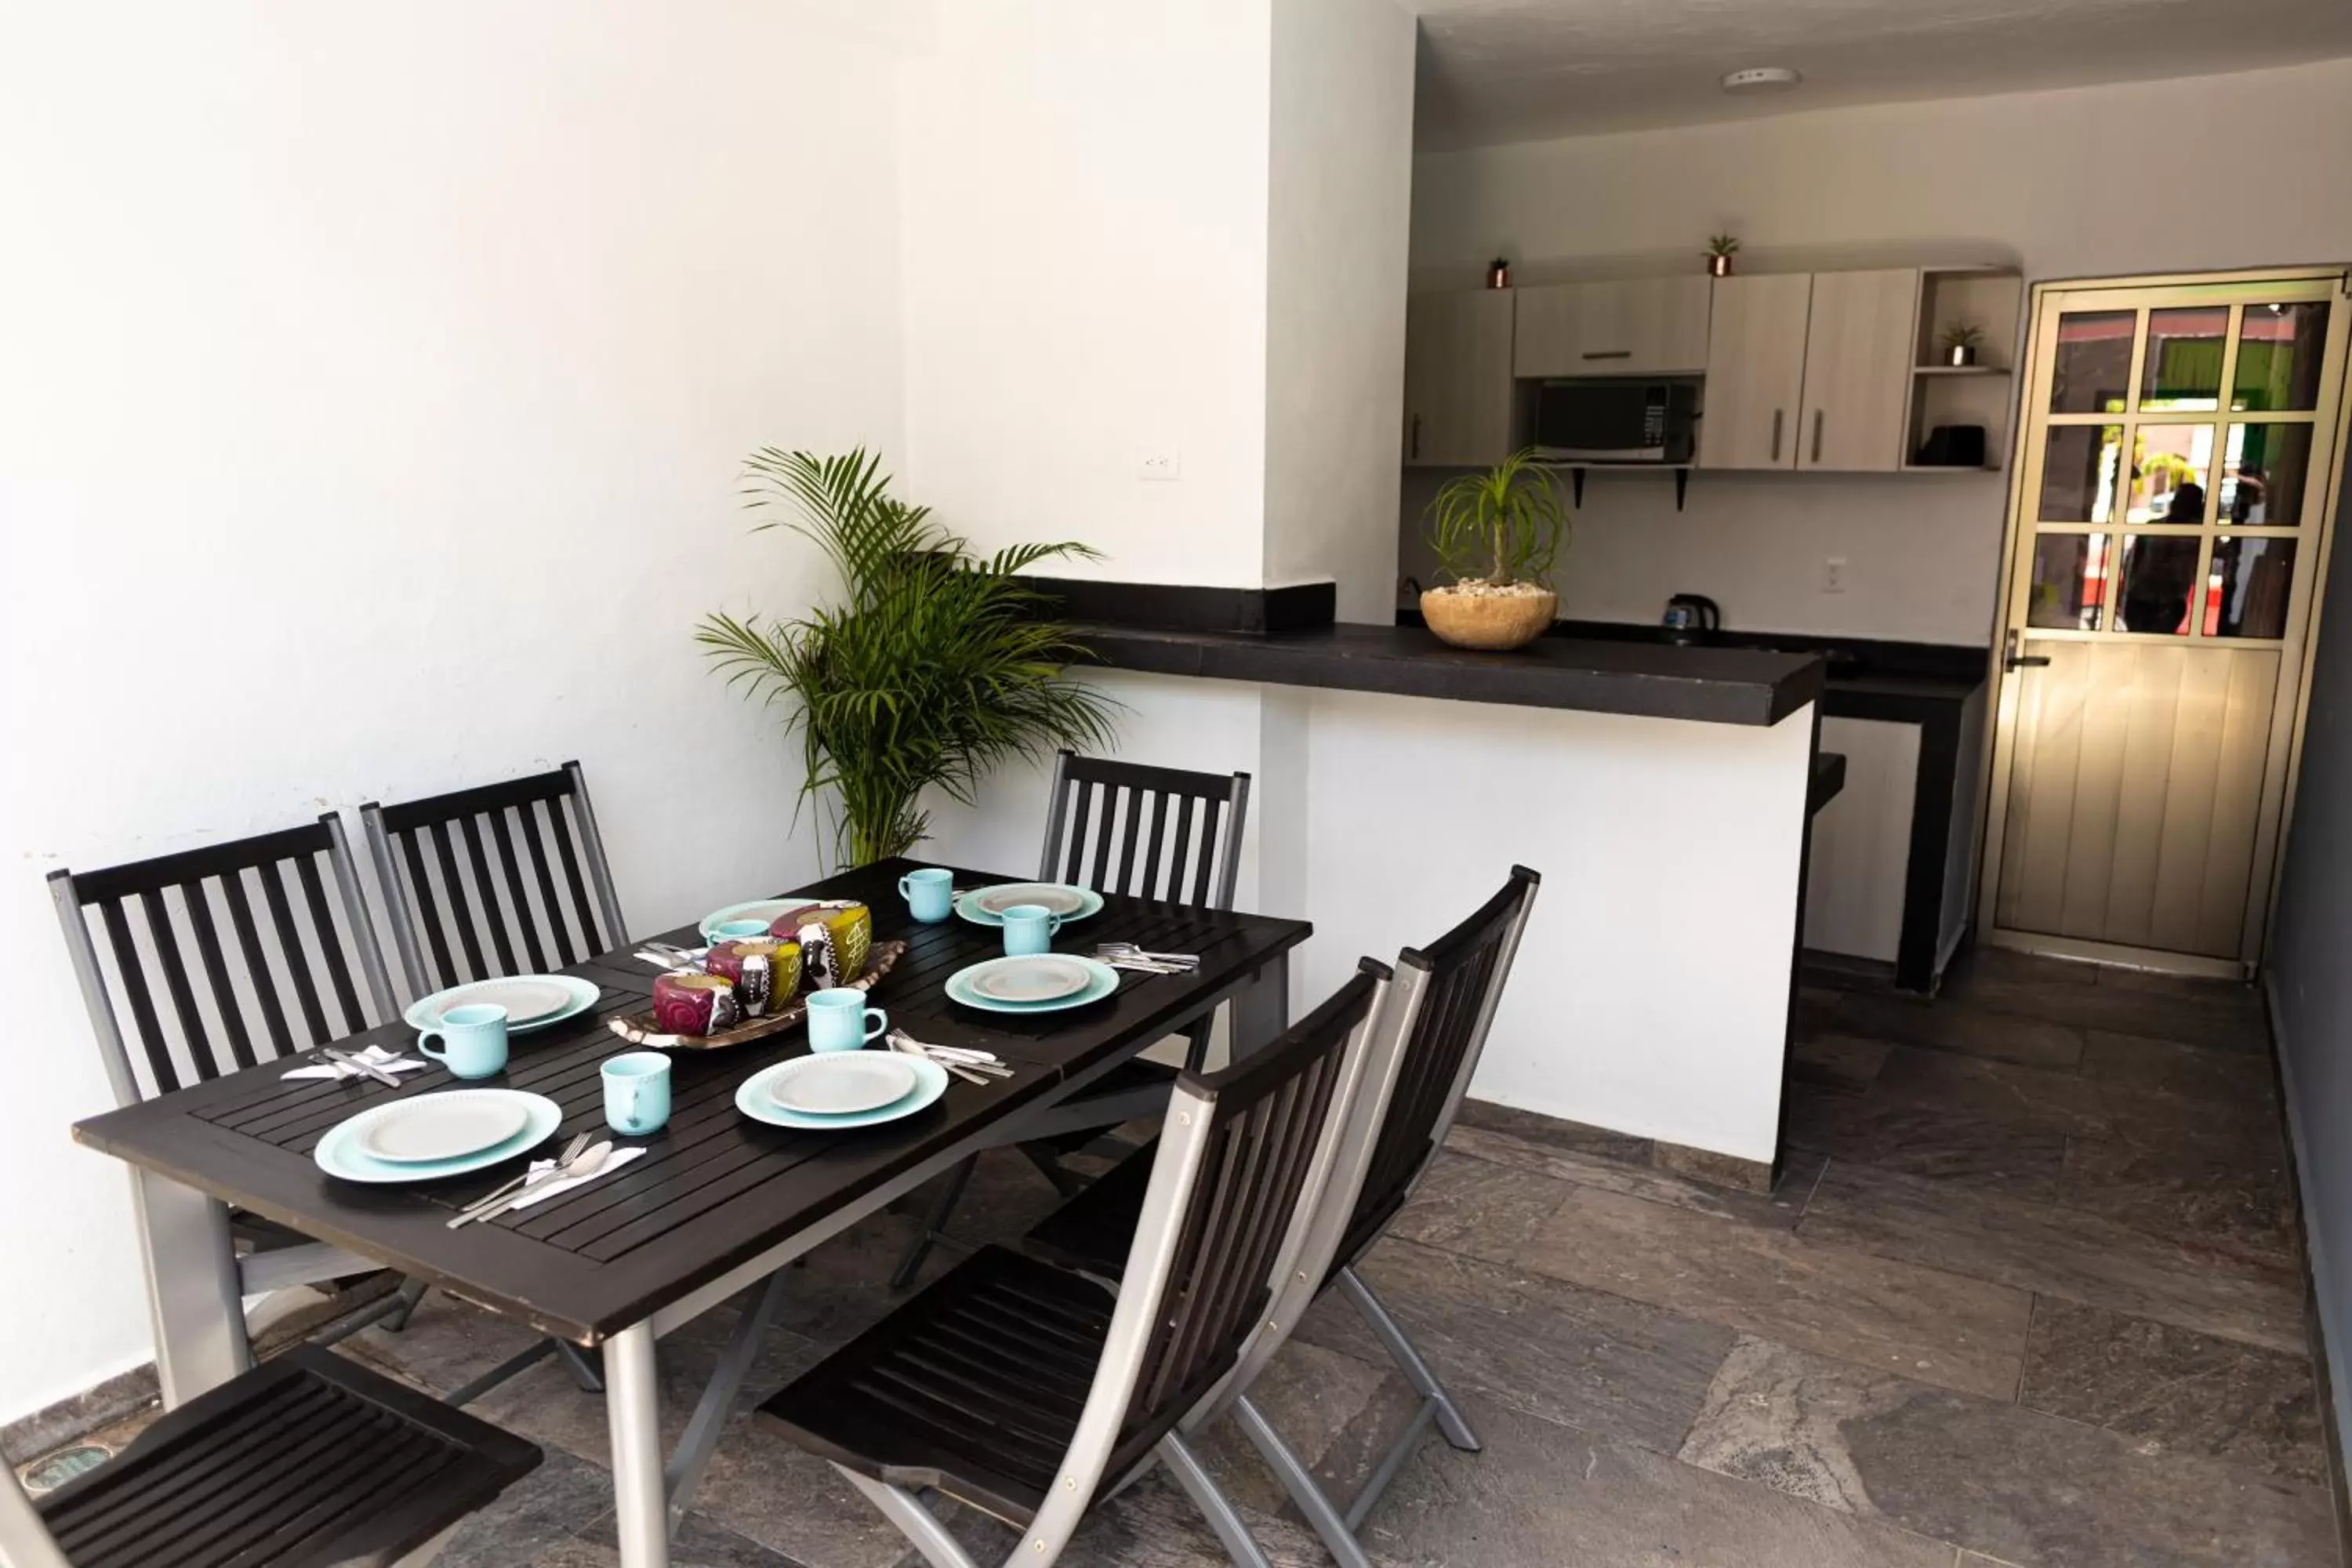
(1834, 575)
(1160, 465)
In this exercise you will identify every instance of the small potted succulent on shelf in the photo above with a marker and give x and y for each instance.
(1720, 249)
(1961, 340)
(1496, 534)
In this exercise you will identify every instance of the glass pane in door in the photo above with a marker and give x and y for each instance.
(2169, 465)
(2263, 473)
(2182, 373)
(2246, 592)
(2093, 367)
(2159, 572)
(2069, 581)
(2279, 349)
(2078, 472)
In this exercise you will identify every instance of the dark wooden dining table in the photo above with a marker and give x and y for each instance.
(713, 1210)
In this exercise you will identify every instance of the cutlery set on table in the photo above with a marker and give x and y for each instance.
(765, 966)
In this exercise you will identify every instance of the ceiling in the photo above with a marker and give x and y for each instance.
(1520, 70)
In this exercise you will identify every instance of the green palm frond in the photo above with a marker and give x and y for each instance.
(939, 667)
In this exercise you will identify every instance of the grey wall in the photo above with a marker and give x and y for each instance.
(2310, 979)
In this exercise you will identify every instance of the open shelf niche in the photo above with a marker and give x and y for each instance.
(1982, 394)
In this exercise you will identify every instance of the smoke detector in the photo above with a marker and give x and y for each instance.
(1762, 78)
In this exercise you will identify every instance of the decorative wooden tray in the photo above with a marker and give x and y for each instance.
(638, 1028)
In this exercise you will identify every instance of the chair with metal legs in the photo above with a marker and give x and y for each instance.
(521, 886)
(305, 1460)
(1449, 1015)
(493, 880)
(1030, 1392)
(1164, 834)
(279, 968)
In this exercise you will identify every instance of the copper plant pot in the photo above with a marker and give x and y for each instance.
(1718, 265)
(1493, 622)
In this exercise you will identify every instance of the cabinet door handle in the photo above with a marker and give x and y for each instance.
(1609, 353)
(1776, 435)
(1817, 434)
(1415, 450)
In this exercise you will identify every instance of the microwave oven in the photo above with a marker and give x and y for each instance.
(1629, 421)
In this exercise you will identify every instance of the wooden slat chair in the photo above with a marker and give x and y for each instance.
(1450, 1014)
(304, 1461)
(278, 968)
(504, 879)
(1029, 1392)
(1164, 834)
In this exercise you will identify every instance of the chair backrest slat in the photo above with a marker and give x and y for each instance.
(1268, 1113)
(1466, 971)
(188, 1029)
(454, 864)
(1124, 827)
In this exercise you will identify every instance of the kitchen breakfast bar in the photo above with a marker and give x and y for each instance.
(1664, 792)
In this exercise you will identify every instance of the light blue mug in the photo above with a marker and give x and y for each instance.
(1030, 928)
(929, 893)
(637, 1093)
(738, 931)
(473, 1040)
(839, 1020)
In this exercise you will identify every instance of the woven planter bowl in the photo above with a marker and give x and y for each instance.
(1493, 622)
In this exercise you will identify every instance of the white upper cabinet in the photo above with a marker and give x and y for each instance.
(1858, 344)
(1755, 371)
(1646, 326)
(1457, 379)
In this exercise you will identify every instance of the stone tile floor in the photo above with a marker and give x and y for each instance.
(2027, 1293)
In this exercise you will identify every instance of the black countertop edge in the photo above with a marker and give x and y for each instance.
(1923, 671)
(1657, 681)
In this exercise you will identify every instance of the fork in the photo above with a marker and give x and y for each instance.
(907, 1046)
(571, 1152)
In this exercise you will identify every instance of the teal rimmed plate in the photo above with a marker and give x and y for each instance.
(986, 905)
(531, 1000)
(963, 986)
(339, 1154)
(754, 1099)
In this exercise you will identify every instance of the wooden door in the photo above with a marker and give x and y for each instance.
(1643, 326)
(1858, 341)
(1755, 371)
(1457, 378)
(2174, 459)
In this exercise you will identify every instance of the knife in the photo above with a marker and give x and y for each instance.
(369, 1067)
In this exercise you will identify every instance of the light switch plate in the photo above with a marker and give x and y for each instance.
(1160, 465)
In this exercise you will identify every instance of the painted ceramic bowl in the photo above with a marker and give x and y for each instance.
(695, 1003)
(834, 940)
(760, 968)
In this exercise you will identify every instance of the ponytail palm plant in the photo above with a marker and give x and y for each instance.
(938, 665)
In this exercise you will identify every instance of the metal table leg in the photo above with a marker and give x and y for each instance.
(1262, 1007)
(192, 1294)
(633, 1410)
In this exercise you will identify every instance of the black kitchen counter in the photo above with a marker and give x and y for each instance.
(1717, 685)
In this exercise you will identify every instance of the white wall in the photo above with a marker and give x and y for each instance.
(1339, 204)
(1085, 228)
(376, 384)
(2213, 172)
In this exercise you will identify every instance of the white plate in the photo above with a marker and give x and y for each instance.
(1055, 897)
(842, 1083)
(1039, 978)
(448, 1126)
(752, 1097)
(339, 1154)
(531, 1000)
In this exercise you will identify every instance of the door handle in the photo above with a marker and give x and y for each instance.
(1817, 434)
(1610, 353)
(1415, 450)
(2012, 660)
(1776, 435)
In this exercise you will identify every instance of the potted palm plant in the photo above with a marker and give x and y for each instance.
(1496, 534)
(937, 665)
